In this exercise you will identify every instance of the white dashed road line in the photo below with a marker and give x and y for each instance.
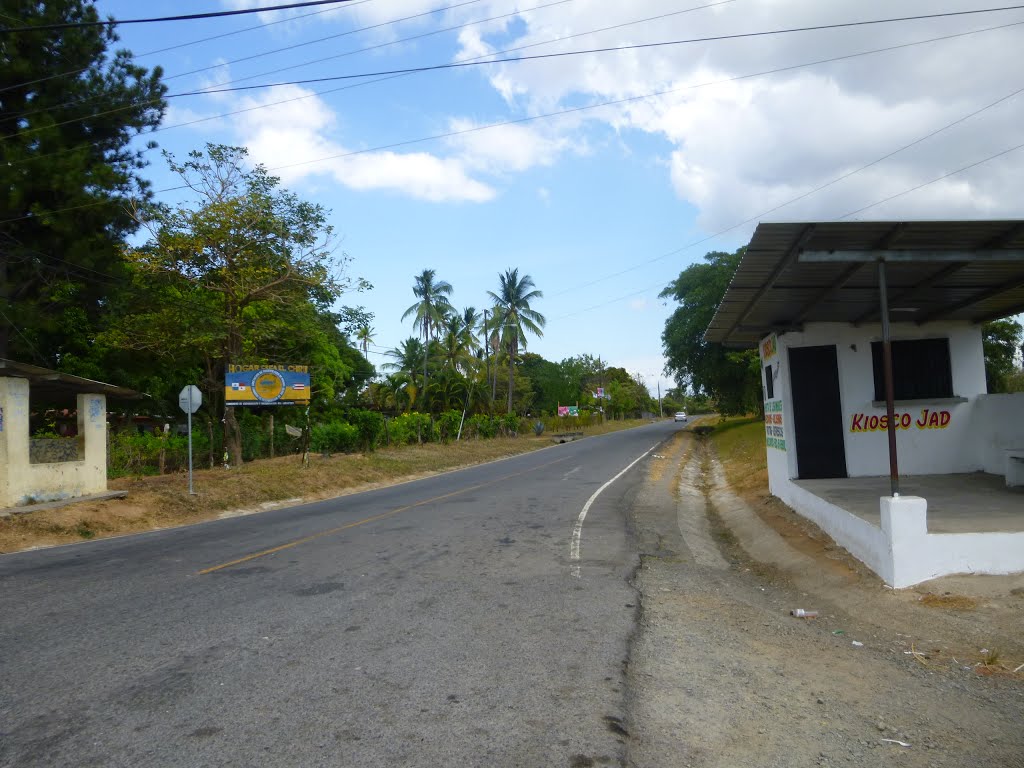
(577, 531)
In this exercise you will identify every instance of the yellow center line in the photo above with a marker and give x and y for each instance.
(381, 516)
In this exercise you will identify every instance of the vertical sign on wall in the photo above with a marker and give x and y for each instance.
(774, 430)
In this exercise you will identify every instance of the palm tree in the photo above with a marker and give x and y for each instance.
(514, 316)
(364, 335)
(470, 321)
(431, 308)
(408, 357)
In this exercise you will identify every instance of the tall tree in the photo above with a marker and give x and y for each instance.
(430, 309)
(364, 335)
(239, 275)
(514, 317)
(730, 377)
(1001, 340)
(69, 109)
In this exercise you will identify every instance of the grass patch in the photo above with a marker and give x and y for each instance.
(739, 443)
(949, 602)
(163, 501)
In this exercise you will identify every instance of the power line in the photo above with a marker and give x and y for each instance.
(844, 216)
(560, 54)
(532, 118)
(520, 59)
(308, 42)
(73, 72)
(185, 17)
(802, 196)
(371, 82)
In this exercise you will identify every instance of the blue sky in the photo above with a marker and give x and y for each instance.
(604, 206)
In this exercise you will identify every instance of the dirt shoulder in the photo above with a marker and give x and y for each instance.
(720, 674)
(164, 502)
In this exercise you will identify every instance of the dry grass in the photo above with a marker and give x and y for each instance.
(164, 502)
(949, 602)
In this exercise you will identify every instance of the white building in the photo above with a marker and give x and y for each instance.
(943, 490)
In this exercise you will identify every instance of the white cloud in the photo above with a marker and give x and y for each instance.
(295, 140)
(736, 149)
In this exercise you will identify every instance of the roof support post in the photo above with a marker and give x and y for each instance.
(890, 405)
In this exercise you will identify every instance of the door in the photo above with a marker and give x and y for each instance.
(817, 412)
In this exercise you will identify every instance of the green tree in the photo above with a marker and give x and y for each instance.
(431, 309)
(514, 316)
(1001, 339)
(729, 377)
(242, 274)
(67, 174)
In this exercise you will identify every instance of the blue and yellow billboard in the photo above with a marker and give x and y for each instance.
(266, 385)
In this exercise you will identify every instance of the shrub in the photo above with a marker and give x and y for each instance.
(131, 453)
(448, 425)
(369, 426)
(410, 428)
(335, 437)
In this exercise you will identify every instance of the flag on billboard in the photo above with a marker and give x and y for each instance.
(563, 410)
(574, 410)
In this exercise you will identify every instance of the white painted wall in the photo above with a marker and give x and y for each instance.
(921, 450)
(998, 427)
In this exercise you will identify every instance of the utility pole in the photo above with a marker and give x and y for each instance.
(661, 412)
(487, 352)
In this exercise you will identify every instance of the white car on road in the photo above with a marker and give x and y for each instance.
(680, 416)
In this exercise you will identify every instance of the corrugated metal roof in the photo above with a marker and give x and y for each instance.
(935, 270)
(45, 382)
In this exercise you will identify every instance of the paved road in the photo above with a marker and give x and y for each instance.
(433, 623)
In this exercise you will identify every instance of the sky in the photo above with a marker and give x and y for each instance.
(601, 174)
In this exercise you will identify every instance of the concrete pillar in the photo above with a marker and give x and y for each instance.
(92, 431)
(13, 439)
(905, 525)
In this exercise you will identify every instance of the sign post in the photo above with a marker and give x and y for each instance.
(189, 400)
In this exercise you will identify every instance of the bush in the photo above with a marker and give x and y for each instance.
(481, 426)
(410, 428)
(131, 453)
(448, 425)
(335, 437)
(369, 426)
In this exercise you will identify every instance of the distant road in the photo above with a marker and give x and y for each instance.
(438, 622)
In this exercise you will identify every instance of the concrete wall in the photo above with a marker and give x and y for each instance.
(21, 481)
(998, 427)
(936, 432)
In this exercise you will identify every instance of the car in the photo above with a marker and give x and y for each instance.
(680, 416)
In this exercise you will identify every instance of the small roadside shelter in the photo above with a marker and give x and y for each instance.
(35, 470)
(878, 423)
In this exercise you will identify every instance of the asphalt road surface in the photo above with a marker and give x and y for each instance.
(438, 622)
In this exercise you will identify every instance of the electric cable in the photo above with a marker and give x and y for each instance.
(152, 20)
(558, 113)
(802, 196)
(844, 216)
(73, 72)
(520, 59)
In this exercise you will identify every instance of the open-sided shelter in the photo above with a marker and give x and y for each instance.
(878, 422)
(34, 470)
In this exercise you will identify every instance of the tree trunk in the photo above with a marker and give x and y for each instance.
(511, 374)
(232, 437)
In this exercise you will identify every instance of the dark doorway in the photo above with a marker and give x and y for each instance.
(817, 412)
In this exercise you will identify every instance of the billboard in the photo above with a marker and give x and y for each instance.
(266, 385)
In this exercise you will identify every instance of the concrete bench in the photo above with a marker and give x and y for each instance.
(1014, 467)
